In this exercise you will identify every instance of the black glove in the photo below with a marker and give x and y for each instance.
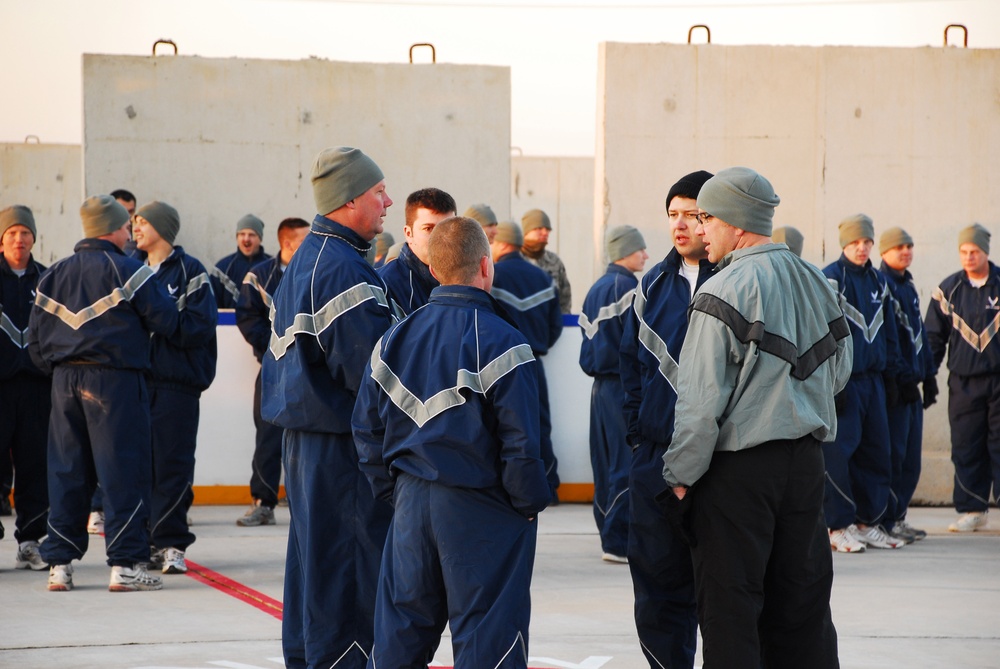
(891, 390)
(930, 391)
(840, 402)
(909, 393)
(678, 513)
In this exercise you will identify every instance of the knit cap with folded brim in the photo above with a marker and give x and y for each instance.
(383, 241)
(482, 214)
(791, 237)
(742, 198)
(534, 219)
(975, 234)
(622, 241)
(164, 219)
(102, 215)
(509, 233)
(892, 238)
(251, 222)
(341, 174)
(17, 215)
(856, 227)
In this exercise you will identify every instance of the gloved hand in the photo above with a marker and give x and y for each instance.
(891, 390)
(908, 393)
(840, 402)
(930, 391)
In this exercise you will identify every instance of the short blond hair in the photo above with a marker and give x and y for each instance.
(456, 247)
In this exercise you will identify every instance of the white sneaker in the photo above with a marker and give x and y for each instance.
(60, 578)
(969, 522)
(131, 579)
(876, 537)
(617, 559)
(28, 557)
(845, 541)
(95, 523)
(173, 561)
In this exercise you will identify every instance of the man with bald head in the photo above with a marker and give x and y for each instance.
(329, 310)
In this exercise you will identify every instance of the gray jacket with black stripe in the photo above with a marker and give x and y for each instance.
(767, 348)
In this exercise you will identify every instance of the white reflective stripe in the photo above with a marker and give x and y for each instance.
(868, 331)
(19, 337)
(479, 382)
(193, 285)
(314, 324)
(252, 279)
(226, 282)
(654, 344)
(77, 319)
(915, 338)
(978, 341)
(524, 304)
(518, 641)
(606, 312)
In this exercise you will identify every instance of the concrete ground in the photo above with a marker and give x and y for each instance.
(930, 605)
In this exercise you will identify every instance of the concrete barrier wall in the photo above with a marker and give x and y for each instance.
(219, 138)
(47, 178)
(908, 136)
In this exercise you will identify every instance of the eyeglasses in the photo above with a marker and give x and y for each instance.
(704, 217)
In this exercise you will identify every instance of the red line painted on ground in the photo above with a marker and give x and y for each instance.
(235, 589)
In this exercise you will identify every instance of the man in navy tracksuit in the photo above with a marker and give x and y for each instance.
(963, 319)
(530, 297)
(183, 366)
(228, 273)
(408, 278)
(602, 321)
(253, 318)
(25, 388)
(906, 418)
(858, 461)
(659, 558)
(329, 311)
(450, 438)
(93, 317)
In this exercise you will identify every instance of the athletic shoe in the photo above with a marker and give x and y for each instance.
(617, 559)
(155, 558)
(95, 524)
(28, 557)
(60, 578)
(899, 532)
(904, 526)
(173, 561)
(969, 522)
(845, 541)
(131, 579)
(876, 537)
(256, 515)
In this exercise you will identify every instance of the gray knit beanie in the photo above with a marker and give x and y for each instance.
(102, 215)
(341, 174)
(975, 234)
(536, 218)
(892, 238)
(17, 215)
(163, 218)
(482, 214)
(622, 241)
(509, 232)
(791, 237)
(742, 198)
(251, 222)
(854, 228)
(383, 241)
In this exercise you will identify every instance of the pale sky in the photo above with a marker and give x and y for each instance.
(550, 45)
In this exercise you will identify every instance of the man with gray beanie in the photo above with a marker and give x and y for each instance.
(536, 228)
(328, 311)
(766, 350)
(906, 418)
(483, 214)
(93, 317)
(228, 273)
(962, 320)
(25, 388)
(531, 299)
(858, 461)
(183, 367)
(659, 559)
(601, 321)
(790, 237)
